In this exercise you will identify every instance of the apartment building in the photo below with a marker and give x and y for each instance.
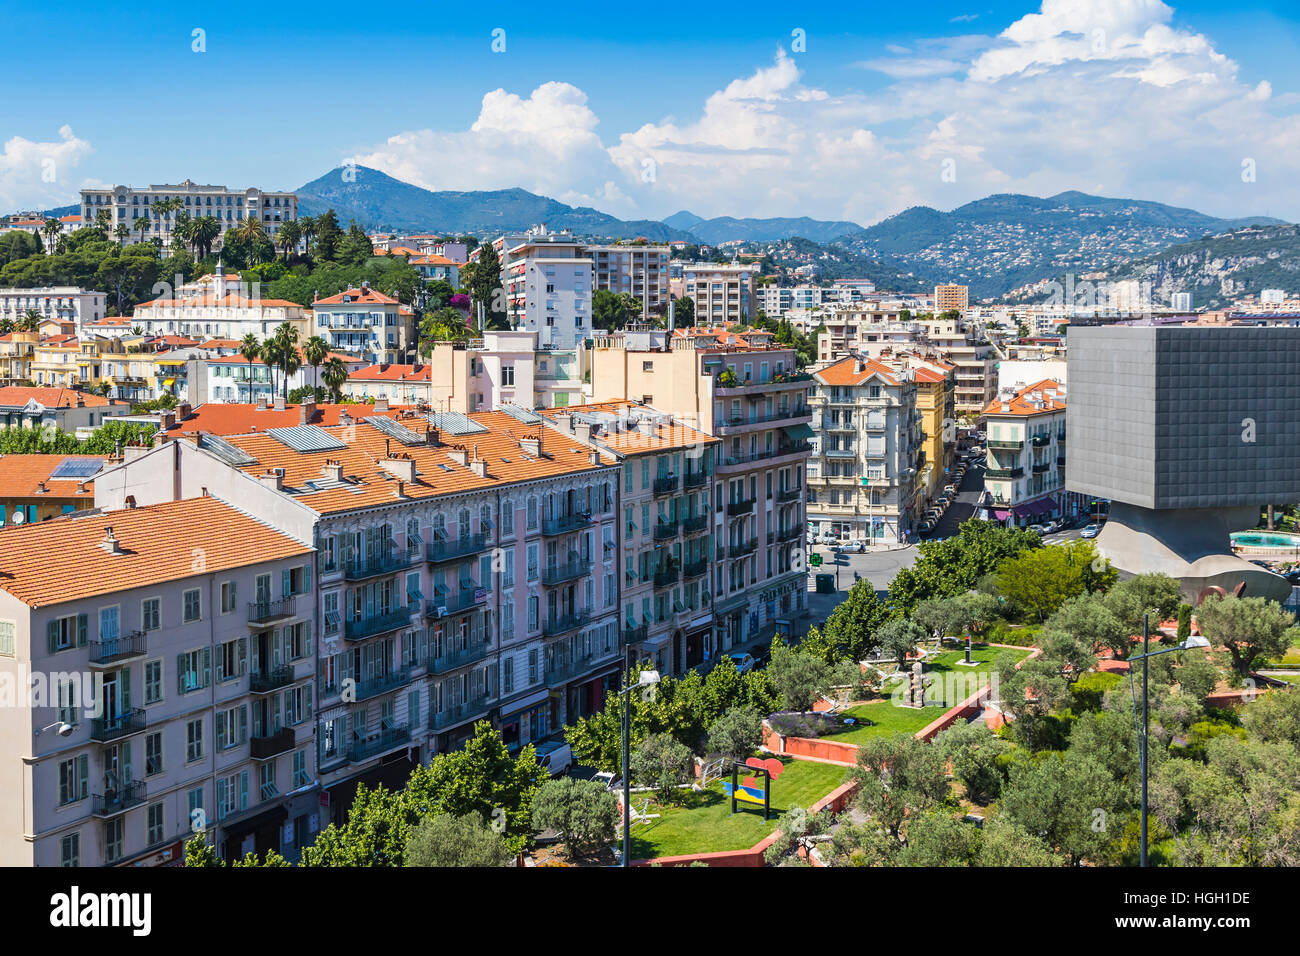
(64, 409)
(950, 297)
(776, 301)
(639, 270)
(863, 476)
(61, 303)
(17, 349)
(221, 309)
(936, 401)
(127, 205)
(366, 323)
(39, 487)
(466, 569)
(666, 552)
(1025, 471)
(548, 281)
(171, 686)
(232, 378)
(969, 349)
(746, 391)
(722, 293)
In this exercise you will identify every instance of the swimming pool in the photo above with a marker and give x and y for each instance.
(1265, 539)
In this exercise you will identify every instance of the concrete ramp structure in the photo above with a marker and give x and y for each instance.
(1188, 431)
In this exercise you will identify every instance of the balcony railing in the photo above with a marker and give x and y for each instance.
(569, 571)
(460, 713)
(695, 524)
(790, 534)
(789, 494)
(1008, 445)
(116, 801)
(562, 670)
(742, 548)
(111, 728)
(665, 530)
(118, 648)
(635, 635)
(372, 686)
(565, 523)
(272, 745)
(477, 650)
(449, 549)
(463, 600)
(263, 682)
(566, 622)
(695, 479)
(1040, 440)
(369, 567)
(736, 508)
(693, 569)
(260, 612)
(1041, 466)
(667, 578)
(393, 620)
(1060, 435)
(997, 473)
(665, 486)
(388, 739)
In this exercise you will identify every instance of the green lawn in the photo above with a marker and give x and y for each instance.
(983, 653)
(887, 718)
(705, 823)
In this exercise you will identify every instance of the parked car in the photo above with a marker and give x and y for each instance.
(1293, 576)
(949, 489)
(744, 662)
(555, 757)
(1091, 531)
(852, 547)
(1040, 528)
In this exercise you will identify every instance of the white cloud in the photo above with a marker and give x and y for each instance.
(1111, 95)
(40, 174)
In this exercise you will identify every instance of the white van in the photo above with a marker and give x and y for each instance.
(555, 756)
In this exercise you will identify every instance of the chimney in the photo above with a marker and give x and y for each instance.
(531, 445)
(279, 403)
(645, 426)
(110, 544)
(399, 466)
(400, 490)
(345, 418)
(381, 405)
(479, 467)
(306, 412)
(273, 478)
(432, 436)
(183, 411)
(333, 469)
(41, 489)
(459, 455)
(583, 431)
(594, 457)
(261, 404)
(132, 452)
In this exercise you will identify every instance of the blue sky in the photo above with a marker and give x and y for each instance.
(644, 110)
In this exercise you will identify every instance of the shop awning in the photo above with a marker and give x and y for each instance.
(799, 432)
(1001, 515)
(169, 382)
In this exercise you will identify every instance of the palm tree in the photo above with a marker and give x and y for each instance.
(336, 373)
(102, 219)
(249, 349)
(315, 350)
(250, 230)
(30, 322)
(288, 236)
(307, 230)
(121, 231)
(290, 361)
(204, 231)
(269, 351)
(51, 229)
(142, 226)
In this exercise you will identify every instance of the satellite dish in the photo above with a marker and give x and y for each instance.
(19, 517)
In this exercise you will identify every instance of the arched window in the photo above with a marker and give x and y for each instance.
(507, 517)
(532, 513)
(439, 526)
(462, 523)
(485, 518)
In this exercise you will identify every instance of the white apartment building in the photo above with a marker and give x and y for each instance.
(222, 309)
(722, 293)
(1024, 477)
(548, 281)
(863, 478)
(639, 270)
(776, 301)
(62, 303)
(170, 651)
(126, 205)
(366, 323)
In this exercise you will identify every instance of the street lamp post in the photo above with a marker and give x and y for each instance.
(644, 679)
(1145, 722)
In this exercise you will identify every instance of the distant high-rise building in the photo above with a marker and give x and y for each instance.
(1272, 296)
(949, 297)
(1181, 301)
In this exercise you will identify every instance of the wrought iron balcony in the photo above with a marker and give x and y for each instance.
(369, 567)
(565, 524)
(449, 549)
(742, 548)
(393, 620)
(735, 508)
(1040, 440)
(792, 533)
(666, 485)
(262, 612)
(118, 649)
(695, 479)
(997, 473)
(569, 571)
(666, 530)
(1041, 466)
(263, 682)
(564, 669)
(460, 713)
(562, 623)
(789, 494)
(667, 577)
(389, 739)
(635, 635)
(477, 650)
(117, 801)
(695, 524)
(1006, 445)
(111, 728)
(693, 569)
(271, 745)
(467, 598)
(373, 686)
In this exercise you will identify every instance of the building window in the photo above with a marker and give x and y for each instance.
(300, 778)
(192, 605)
(154, 824)
(70, 850)
(74, 779)
(113, 840)
(7, 632)
(153, 676)
(193, 740)
(227, 597)
(150, 614)
(193, 670)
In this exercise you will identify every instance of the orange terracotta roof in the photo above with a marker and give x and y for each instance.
(243, 418)
(363, 296)
(230, 300)
(50, 397)
(21, 475)
(433, 260)
(924, 374)
(61, 560)
(69, 219)
(632, 441)
(1048, 396)
(367, 484)
(393, 373)
(844, 372)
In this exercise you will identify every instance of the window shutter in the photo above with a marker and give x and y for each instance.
(207, 667)
(83, 776)
(81, 630)
(126, 690)
(126, 762)
(52, 636)
(221, 799)
(306, 696)
(243, 656)
(243, 723)
(285, 584)
(306, 578)
(221, 730)
(256, 655)
(243, 790)
(306, 639)
(180, 673)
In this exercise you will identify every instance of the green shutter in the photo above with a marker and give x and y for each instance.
(81, 630)
(83, 776)
(243, 723)
(306, 578)
(286, 586)
(126, 690)
(180, 673)
(223, 738)
(207, 667)
(306, 696)
(52, 635)
(243, 656)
